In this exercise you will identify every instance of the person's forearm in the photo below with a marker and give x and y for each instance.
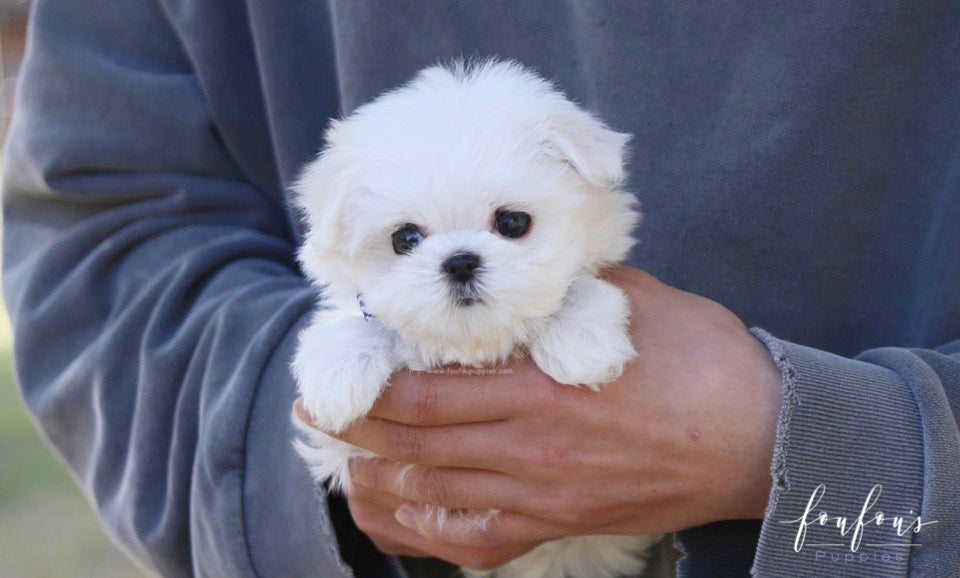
(154, 301)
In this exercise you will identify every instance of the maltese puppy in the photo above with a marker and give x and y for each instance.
(463, 219)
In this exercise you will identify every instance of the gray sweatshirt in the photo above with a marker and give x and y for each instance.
(798, 163)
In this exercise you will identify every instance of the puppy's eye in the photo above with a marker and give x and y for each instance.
(406, 238)
(511, 224)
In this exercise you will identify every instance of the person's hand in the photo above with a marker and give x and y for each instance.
(373, 511)
(685, 437)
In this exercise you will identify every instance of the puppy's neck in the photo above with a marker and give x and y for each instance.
(367, 316)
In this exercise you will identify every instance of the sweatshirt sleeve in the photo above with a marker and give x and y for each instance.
(155, 302)
(866, 464)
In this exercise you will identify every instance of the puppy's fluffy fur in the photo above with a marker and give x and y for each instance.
(487, 161)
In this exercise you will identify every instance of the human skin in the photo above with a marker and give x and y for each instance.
(683, 438)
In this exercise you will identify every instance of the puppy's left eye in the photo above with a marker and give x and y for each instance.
(511, 224)
(406, 238)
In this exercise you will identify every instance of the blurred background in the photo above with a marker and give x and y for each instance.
(47, 527)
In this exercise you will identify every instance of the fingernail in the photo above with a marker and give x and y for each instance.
(301, 413)
(353, 466)
(406, 516)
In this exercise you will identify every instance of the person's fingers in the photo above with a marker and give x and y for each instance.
(455, 395)
(374, 514)
(457, 488)
(480, 446)
(476, 529)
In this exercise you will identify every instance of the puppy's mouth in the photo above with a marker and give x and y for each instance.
(466, 295)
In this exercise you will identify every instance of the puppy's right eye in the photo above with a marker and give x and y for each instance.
(406, 238)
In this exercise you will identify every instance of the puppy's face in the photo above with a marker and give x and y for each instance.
(462, 206)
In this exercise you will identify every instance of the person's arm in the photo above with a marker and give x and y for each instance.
(155, 301)
(683, 440)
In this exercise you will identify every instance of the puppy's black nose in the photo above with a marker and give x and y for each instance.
(461, 267)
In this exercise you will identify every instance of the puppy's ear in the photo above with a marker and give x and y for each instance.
(320, 200)
(593, 150)
(320, 194)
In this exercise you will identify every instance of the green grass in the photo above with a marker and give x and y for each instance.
(47, 528)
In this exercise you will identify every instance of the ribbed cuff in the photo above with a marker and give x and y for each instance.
(849, 452)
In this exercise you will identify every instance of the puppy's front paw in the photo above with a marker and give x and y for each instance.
(587, 342)
(341, 368)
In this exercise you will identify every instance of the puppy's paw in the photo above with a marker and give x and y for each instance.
(341, 367)
(587, 342)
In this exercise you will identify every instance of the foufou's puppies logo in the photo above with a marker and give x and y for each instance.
(851, 531)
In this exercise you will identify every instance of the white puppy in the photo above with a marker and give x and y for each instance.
(462, 219)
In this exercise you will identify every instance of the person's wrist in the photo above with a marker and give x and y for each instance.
(768, 399)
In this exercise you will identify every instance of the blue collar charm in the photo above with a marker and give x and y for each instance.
(366, 315)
